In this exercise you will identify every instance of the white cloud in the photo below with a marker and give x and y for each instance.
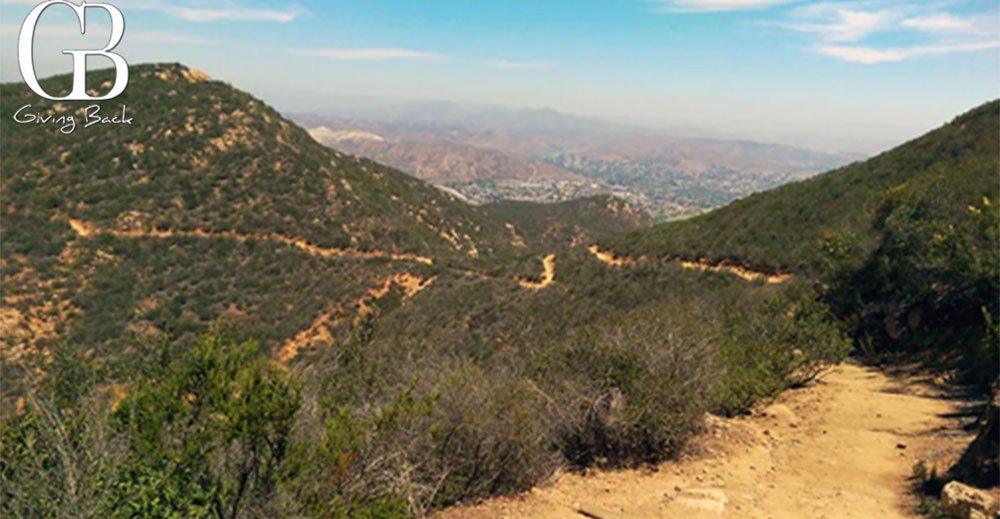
(206, 11)
(96, 30)
(522, 65)
(369, 54)
(705, 6)
(861, 54)
(198, 14)
(847, 30)
(986, 25)
(868, 55)
(938, 22)
(835, 23)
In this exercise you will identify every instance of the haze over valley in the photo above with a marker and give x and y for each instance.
(488, 154)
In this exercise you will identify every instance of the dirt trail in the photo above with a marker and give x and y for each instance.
(843, 447)
(322, 328)
(548, 275)
(85, 229)
(613, 260)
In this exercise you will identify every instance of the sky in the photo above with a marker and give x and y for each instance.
(860, 75)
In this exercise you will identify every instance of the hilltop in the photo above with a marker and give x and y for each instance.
(578, 222)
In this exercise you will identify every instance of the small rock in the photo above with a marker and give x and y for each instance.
(961, 500)
(900, 445)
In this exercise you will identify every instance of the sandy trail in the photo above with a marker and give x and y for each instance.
(843, 447)
(85, 229)
(548, 275)
(614, 260)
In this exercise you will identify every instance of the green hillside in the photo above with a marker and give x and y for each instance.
(904, 246)
(208, 314)
(202, 155)
(573, 223)
(800, 227)
(210, 204)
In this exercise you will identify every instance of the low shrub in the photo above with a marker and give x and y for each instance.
(631, 390)
(775, 341)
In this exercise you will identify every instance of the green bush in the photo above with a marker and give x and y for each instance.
(931, 287)
(206, 434)
(59, 456)
(772, 342)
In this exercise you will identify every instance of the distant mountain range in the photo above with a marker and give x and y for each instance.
(488, 154)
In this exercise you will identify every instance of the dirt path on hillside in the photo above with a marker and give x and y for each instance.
(85, 230)
(843, 447)
(548, 275)
(614, 260)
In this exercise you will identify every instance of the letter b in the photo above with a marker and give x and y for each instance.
(79, 93)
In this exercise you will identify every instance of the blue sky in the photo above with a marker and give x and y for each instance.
(778, 70)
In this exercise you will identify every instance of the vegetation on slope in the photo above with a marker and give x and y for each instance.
(403, 417)
(578, 222)
(905, 245)
(402, 386)
(801, 227)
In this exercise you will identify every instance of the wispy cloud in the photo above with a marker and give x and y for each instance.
(834, 23)
(201, 12)
(521, 65)
(937, 22)
(847, 30)
(369, 54)
(708, 6)
(869, 55)
(73, 30)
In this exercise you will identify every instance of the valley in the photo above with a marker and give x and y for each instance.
(491, 154)
(212, 314)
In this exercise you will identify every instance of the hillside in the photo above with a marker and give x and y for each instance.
(212, 206)
(802, 226)
(578, 222)
(207, 313)
(220, 316)
(209, 205)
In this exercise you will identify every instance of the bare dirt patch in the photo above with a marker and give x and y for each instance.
(843, 447)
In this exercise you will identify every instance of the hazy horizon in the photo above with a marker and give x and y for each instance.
(854, 76)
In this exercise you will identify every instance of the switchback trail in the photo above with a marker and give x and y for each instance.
(843, 447)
